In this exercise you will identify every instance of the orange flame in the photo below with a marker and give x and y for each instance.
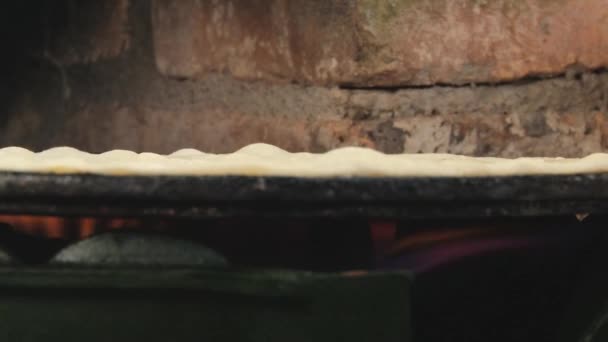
(60, 227)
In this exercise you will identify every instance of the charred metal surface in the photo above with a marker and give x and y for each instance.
(201, 197)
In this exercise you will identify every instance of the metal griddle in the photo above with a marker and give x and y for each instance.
(233, 196)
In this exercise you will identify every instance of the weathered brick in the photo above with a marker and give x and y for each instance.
(125, 103)
(379, 42)
(86, 31)
(277, 39)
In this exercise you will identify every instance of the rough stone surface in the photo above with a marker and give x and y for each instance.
(6, 257)
(553, 117)
(125, 249)
(367, 43)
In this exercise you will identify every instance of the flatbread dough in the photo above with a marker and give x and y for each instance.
(268, 160)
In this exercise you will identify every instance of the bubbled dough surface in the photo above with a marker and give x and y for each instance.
(268, 160)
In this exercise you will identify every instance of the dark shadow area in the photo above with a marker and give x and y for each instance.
(544, 281)
(22, 31)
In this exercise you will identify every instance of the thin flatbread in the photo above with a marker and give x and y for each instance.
(268, 160)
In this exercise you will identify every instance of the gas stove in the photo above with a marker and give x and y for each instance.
(273, 258)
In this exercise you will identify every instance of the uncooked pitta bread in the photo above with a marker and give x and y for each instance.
(268, 160)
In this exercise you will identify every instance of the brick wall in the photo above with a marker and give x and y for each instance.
(501, 78)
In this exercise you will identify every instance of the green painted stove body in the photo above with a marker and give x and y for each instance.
(194, 305)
